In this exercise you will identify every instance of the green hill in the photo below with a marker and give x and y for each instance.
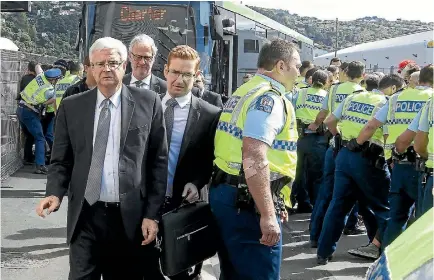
(350, 33)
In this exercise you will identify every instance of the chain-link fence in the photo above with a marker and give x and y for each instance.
(13, 67)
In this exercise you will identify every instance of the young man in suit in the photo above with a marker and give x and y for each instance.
(110, 157)
(142, 52)
(207, 95)
(191, 124)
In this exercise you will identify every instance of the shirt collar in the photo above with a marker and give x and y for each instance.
(377, 91)
(274, 82)
(182, 100)
(115, 98)
(146, 80)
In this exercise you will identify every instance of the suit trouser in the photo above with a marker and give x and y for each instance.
(311, 150)
(101, 247)
(355, 179)
(403, 194)
(242, 257)
(325, 196)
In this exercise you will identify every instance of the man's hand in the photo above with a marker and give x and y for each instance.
(190, 192)
(50, 203)
(270, 231)
(284, 216)
(313, 127)
(149, 230)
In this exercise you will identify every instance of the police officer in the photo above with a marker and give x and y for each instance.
(361, 171)
(69, 80)
(301, 82)
(37, 94)
(352, 75)
(396, 115)
(311, 145)
(255, 150)
(423, 144)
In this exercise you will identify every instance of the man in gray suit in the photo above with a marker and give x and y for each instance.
(110, 156)
(142, 53)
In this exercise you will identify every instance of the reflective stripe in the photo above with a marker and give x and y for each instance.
(237, 110)
(303, 93)
(273, 175)
(399, 121)
(237, 132)
(389, 146)
(333, 97)
(431, 157)
(308, 106)
(36, 93)
(354, 119)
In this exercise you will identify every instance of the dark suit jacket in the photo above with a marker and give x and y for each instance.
(196, 156)
(142, 156)
(158, 85)
(209, 96)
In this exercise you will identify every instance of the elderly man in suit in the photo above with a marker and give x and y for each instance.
(142, 53)
(110, 156)
(207, 95)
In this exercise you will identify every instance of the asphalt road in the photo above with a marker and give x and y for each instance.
(35, 248)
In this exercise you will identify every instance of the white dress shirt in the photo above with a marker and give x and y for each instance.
(146, 81)
(180, 118)
(110, 174)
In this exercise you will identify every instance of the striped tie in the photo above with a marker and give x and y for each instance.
(93, 186)
(168, 117)
(139, 84)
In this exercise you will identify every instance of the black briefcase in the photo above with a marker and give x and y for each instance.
(189, 236)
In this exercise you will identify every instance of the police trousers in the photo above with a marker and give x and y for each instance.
(241, 255)
(355, 179)
(426, 195)
(403, 195)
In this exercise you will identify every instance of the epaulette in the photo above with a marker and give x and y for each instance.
(359, 91)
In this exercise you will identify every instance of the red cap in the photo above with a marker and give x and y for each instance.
(404, 63)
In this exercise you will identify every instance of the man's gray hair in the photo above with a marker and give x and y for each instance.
(145, 40)
(109, 43)
(274, 51)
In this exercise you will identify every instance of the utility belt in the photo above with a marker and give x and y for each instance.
(409, 156)
(39, 109)
(371, 151)
(302, 127)
(426, 173)
(244, 198)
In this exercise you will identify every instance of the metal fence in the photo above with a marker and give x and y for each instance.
(13, 67)
(390, 70)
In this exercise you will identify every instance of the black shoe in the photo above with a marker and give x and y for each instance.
(41, 169)
(313, 244)
(355, 231)
(323, 261)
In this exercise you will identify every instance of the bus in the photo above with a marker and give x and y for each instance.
(227, 35)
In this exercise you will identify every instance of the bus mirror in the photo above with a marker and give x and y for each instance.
(216, 26)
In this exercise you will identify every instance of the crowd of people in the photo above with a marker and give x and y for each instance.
(354, 149)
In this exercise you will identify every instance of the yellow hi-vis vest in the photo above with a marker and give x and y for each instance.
(282, 155)
(339, 92)
(309, 103)
(358, 109)
(34, 92)
(410, 256)
(430, 107)
(300, 82)
(62, 85)
(403, 108)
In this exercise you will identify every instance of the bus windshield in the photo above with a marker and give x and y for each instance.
(168, 25)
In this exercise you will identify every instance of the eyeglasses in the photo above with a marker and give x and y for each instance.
(112, 65)
(138, 58)
(185, 76)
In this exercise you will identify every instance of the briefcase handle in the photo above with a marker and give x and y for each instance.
(184, 202)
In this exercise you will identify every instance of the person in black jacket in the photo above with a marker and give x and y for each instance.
(209, 96)
(85, 84)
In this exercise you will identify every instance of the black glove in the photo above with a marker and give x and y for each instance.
(338, 144)
(353, 146)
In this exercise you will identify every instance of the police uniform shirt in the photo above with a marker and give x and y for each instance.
(424, 124)
(325, 103)
(50, 93)
(265, 116)
(415, 123)
(146, 82)
(338, 111)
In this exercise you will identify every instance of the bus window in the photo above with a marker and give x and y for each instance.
(261, 31)
(229, 20)
(272, 34)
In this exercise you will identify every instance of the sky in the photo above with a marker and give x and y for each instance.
(349, 9)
